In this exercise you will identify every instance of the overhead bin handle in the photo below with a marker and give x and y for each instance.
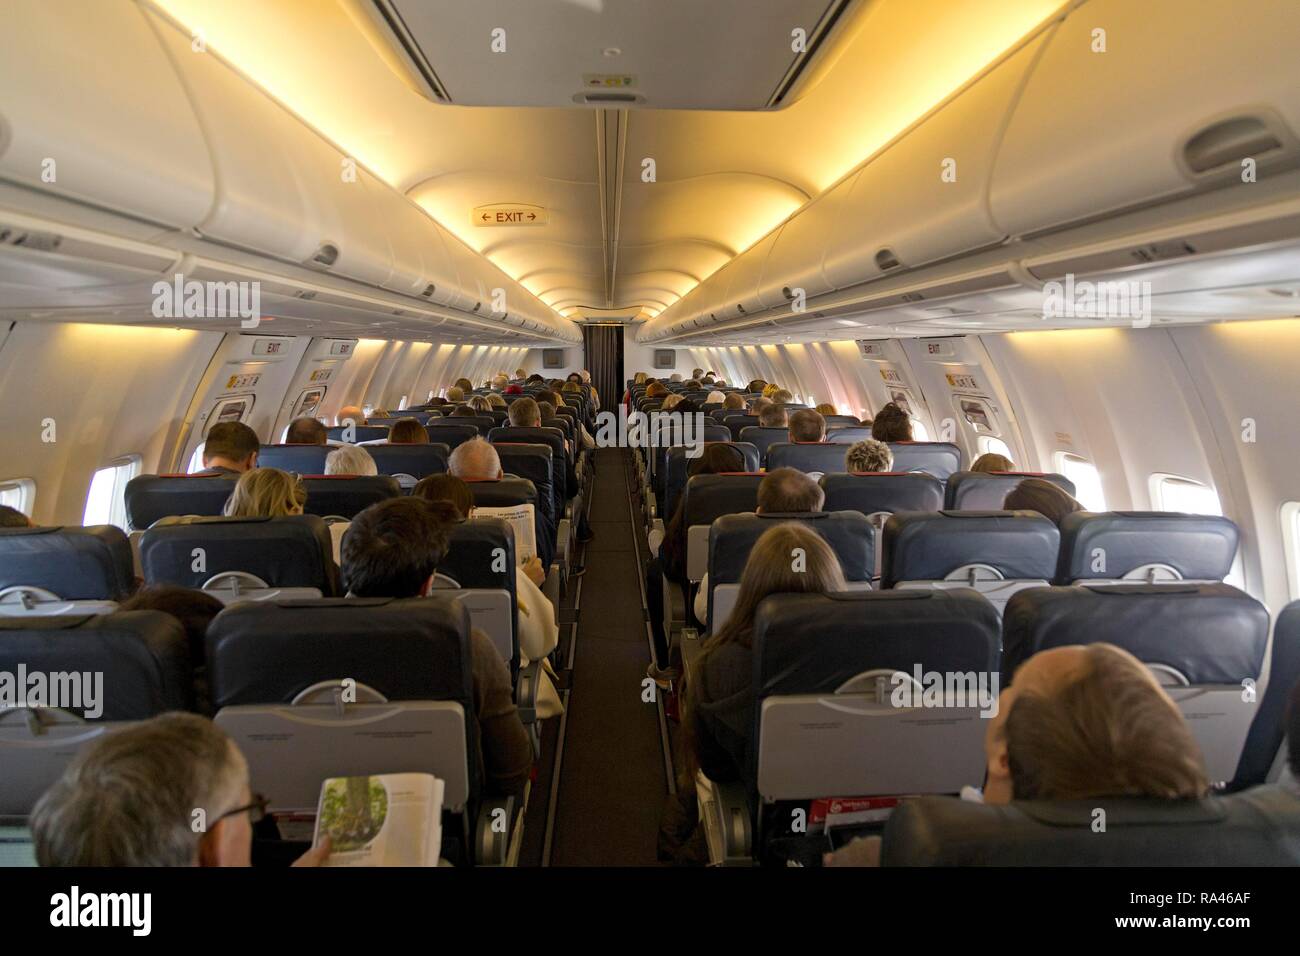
(1229, 141)
(886, 260)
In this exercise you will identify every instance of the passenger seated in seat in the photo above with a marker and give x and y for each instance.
(393, 549)
(868, 455)
(230, 449)
(408, 431)
(807, 426)
(891, 424)
(826, 408)
(782, 396)
(991, 462)
(479, 403)
(1080, 723)
(496, 401)
(350, 460)
(784, 491)
(1037, 494)
(306, 431)
(733, 402)
(538, 633)
(756, 386)
(266, 493)
(772, 416)
(195, 610)
(455, 394)
(13, 518)
(349, 414)
(756, 408)
(669, 567)
(129, 799)
(720, 700)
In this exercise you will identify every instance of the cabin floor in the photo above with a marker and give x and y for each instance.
(603, 806)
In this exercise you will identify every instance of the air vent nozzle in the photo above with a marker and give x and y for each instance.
(429, 290)
(304, 294)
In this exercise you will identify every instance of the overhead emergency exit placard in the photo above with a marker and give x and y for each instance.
(509, 214)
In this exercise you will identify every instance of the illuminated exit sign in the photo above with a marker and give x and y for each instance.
(500, 214)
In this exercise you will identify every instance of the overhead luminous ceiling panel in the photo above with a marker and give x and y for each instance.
(664, 54)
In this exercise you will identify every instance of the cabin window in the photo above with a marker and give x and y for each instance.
(18, 493)
(1291, 545)
(919, 431)
(1086, 478)
(106, 503)
(401, 406)
(307, 403)
(1172, 493)
(989, 445)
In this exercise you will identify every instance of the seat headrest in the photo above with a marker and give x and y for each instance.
(359, 433)
(709, 497)
(849, 534)
(814, 643)
(1258, 827)
(418, 461)
(717, 433)
(509, 490)
(986, 491)
(1209, 633)
(936, 458)
(291, 552)
(347, 495)
(409, 649)
(1022, 545)
(451, 431)
(302, 459)
(76, 564)
(873, 492)
(846, 434)
(144, 656)
(150, 497)
(481, 554)
(806, 456)
(1198, 547)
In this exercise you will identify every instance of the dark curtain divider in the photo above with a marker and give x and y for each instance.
(603, 345)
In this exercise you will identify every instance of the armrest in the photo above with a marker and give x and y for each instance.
(551, 586)
(656, 536)
(674, 606)
(724, 811)
(526, 692)
(526, 688)
(499, 824)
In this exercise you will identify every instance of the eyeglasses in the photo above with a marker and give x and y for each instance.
(256, 810)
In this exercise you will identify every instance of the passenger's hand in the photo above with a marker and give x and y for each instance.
(317, 855)
(534, 571)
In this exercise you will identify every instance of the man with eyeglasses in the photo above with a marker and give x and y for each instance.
(171, 791)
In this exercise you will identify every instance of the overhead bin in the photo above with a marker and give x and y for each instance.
(103, 105)
(1185, 90)
(795, 261)
(742, 297)
(922, 199)
(283, 190)
(421, 265)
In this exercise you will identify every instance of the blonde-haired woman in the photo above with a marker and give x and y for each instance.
(720, 698)
(479, 403)
(266, 493)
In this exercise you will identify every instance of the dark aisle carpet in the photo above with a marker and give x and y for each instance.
(612, 784)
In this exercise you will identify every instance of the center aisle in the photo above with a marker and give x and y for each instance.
(612, 785)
